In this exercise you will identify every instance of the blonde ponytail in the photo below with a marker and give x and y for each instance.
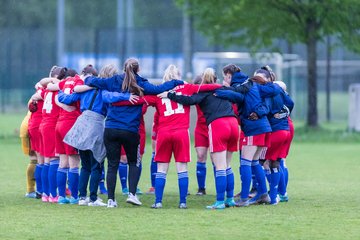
(209, 76)
(171, 72)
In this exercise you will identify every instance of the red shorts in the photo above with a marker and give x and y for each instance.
(153, 135)
(287, 144)
(260, 140)
(224, 135)
(262, 155)
(277, 145)
(61, 130)
(35, 140)
(242, 136)
(177, 142)
(48, 138)
(201, 136)
(142, 143)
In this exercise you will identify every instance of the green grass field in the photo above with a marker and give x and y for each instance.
(323, 190)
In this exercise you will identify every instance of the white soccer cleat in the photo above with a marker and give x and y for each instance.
(97, 203)
(111, 203)
(83, 201)
(133, 199)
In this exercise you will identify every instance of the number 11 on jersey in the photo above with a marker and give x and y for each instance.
(169, 111)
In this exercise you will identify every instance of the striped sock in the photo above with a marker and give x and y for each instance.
(160, 181)
(61, 178)
(45, 179)
(74, 182)
(260, 176)
(229, 183)
(123, 174)
(38, 170)
(245, 173)
(183, 182)
(201, 174)
(153, 169)
(220, 184)
(54, 164)
(274, 183)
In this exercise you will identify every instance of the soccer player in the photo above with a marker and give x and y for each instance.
(35, 136)
(50, 113)
(172, 135)
(223, 137)
(122, 125)
(256, 128)
(87, 134)
(201, 138)
(123, 166)
(153, 164)
(284, 174)
(277, 117)
(68, 155)
(27, 150)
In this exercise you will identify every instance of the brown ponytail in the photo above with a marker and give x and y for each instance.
(231, 68)
(131, 67)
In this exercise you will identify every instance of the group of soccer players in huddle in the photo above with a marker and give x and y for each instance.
(84, 118)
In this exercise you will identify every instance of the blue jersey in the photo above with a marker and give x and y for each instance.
(85, 100)
(274, 99)
(127, 117)
(252, 102)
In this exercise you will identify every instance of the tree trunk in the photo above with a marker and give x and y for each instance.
(327, 79)
(312, 111)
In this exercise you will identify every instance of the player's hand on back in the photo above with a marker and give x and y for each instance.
(133, 98)
(163, 94)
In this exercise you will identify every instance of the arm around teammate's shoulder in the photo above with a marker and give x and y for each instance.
(151, 89)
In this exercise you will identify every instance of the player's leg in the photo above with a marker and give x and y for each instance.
(30, 176)
(61, 177)
(102, 188)
(201, 153)
(123, 172)
(131, 142)
(38, 170)
(94, 182)
(153, 168)
(219, 160)
(162, 158)
(160, 181)
(85, 172)
(113, 146)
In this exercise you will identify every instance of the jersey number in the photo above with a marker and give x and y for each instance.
(169, 111)
(48, 105)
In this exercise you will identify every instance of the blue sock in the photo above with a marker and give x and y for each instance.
(74, 182)
(229, 183)
(140, 169)
(285, 171)
(220, 181)
(260, 176)
(61, 179)
(54, 164)
(282, 187)
(201, 174)
(274, 183)
(38, 170)
(45, 178)
(267, 175)
(183, 181)
(214, 170)
(160, 181)
(123, 172)
(153, 169)
(245, 173)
